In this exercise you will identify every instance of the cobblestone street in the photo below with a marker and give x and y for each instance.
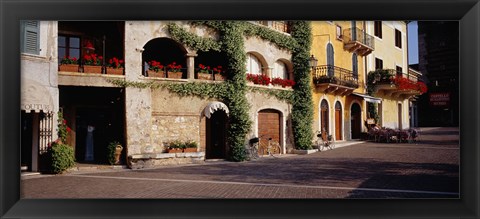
(426, 169)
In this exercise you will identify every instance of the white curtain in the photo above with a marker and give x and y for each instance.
(253, 65)
(280, 70)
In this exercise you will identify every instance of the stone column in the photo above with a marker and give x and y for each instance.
(191, 64)
(269, 71)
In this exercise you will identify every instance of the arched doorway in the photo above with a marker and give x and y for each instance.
(216, 136)
(338, 121)
(269, 126)
(216, 114)
(324, 115)
(356, 120)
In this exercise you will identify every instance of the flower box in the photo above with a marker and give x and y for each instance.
(114, 71)
(189, 150)
(219, 77)
(68, 67)
(204, 76)
(174, 150)
(175, 75)
(96, 69)
(159, 74)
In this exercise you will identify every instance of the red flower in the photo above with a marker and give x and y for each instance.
(69, 129)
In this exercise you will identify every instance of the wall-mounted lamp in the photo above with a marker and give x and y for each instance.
(313, 62)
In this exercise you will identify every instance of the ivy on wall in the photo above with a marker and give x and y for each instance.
(192, 40)
(302, 110)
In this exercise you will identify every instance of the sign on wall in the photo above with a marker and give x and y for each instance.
(440, 99)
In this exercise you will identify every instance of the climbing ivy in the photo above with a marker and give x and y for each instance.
(281, 40)
(191, 39)
(302, 110)
(282, 95)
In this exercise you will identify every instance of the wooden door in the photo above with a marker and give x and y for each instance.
(356, 121)
(338, 124)
(269, 126)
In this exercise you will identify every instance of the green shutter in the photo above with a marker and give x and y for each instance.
(30, 37)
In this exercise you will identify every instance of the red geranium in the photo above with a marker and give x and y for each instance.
(92, 59)
(283, 82)
(173, 67)
(258, 79)
(115, 63)
(155, 66)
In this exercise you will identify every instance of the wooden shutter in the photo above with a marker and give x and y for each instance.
(30, 38)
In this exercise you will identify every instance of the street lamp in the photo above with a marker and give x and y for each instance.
(313, 62)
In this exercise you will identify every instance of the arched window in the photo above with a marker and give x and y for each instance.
(254, 66)
(330, 59)
(355, 65)
(280, 70)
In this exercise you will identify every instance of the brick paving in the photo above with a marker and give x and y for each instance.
(426, 169)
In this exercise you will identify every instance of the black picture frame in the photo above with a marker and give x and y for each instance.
(467, 12)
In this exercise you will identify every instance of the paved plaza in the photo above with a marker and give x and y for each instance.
(426, 169)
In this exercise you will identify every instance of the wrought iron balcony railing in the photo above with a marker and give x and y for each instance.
(358, 35)
(328, 74)
(358, 41)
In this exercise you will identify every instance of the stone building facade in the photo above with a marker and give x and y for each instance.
(146, 119)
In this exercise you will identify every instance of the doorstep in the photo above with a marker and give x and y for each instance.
(80, 167)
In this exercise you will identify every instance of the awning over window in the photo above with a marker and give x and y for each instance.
(368, 98)
(214, 106)
(35, 97)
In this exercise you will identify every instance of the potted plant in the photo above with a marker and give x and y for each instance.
(115, 66)
(92, 63)
(203, 72)
(218, 73)
(68, 64)
(114, 152)
(174, 71)
(190, 146)
(175, 146)
(155, 69)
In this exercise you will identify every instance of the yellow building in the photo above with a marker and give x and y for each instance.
(391, 54)
(338, 53)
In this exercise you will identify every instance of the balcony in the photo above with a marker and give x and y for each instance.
(395, 84)
(281, 26)
(334, 80)
(358, 41)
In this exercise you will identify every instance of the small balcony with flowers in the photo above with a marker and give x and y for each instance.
(395, 84)
(88, 50)
(334, 80)
(356, 40)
